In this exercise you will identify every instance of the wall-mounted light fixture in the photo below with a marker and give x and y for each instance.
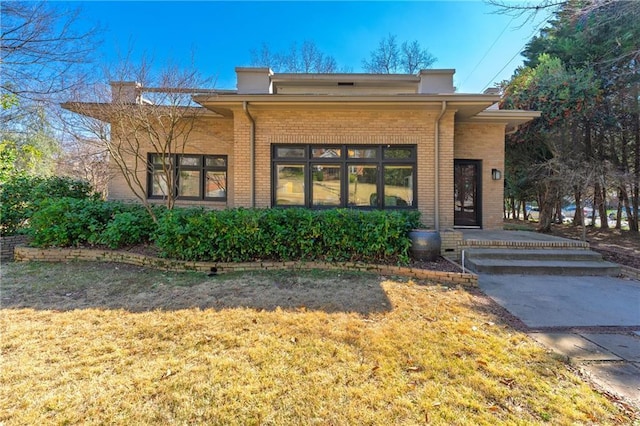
(496, 174)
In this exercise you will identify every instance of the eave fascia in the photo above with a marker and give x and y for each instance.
(511, 119)
(310, 98)
(515, 116)
(104, 111)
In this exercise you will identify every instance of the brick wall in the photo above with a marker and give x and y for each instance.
(346, 125)
(485, 142)
(8, 245)
(210, 135)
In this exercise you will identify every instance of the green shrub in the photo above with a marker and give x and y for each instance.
(65, 222)
(68, 222)
(20, 196)
(286, 234)
(131, 226)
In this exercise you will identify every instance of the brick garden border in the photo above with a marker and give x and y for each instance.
(8, 245)
(27, 254)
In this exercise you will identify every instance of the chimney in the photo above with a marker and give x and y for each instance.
(252, 81)
(436, 81)
(128, 92)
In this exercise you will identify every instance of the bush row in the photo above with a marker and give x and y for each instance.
(240, 235)
(63, 212)
(233, 235)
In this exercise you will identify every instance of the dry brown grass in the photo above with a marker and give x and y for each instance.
(429, 356)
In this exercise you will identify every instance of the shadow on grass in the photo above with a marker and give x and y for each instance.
(78, 285)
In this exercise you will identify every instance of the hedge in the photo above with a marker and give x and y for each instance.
(232, 235)
(241, 235)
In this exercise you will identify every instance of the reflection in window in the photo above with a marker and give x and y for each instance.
(397, 153)
(216, 185)
(363, 181)
(325, 153)
(290, 185)
(189, 183)
(398, 186)
(363, 153)
(369, 176)
(290, 152)
(196, 177)
(326, 185)
(159, 184)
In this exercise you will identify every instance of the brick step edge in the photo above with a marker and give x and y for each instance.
(31, 254)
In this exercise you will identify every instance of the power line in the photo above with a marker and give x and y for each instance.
(487, 52)
(516, 54)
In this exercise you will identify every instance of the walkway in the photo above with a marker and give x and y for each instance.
(593, 321)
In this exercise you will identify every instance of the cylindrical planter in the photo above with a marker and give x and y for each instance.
(425, 244)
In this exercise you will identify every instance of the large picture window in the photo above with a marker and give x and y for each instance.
(194, 177)
(319, 176)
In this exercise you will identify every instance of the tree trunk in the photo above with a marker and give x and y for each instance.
(578, 217)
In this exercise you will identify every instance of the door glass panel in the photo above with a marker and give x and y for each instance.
(289, 185)
(326, 185)
(398, 186)
(216, 185)
(363, 181)
(189, 183)
(466, 194)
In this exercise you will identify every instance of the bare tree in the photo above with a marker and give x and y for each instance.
(388, 58)
(385, 59)
(87, 160)
(307, 59)
(42, 53)
(414, 58)
(142, 114)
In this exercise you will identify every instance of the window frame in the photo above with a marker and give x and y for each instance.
(345, 161)
(177, 167)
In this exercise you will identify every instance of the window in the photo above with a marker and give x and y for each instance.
(320, 176)
(196, 177)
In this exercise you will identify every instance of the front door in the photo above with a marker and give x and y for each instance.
(467, 193)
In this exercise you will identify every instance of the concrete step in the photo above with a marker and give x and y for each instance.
(542, 267)
(530, 254)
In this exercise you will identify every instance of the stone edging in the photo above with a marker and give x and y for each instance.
(26, 254)
(9, 243)
(630, 272)
(525, 244)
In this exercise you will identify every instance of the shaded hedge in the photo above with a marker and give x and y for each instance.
(233, 235)
(20, 197)
(69, 222)
(241, 235)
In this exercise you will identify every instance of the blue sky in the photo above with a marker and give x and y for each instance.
(466, 35)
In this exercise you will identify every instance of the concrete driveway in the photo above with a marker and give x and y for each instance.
(547, 304)
(566, 301)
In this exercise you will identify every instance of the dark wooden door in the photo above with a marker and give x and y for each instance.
(467, 194)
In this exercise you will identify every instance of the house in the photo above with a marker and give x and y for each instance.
(341, 140)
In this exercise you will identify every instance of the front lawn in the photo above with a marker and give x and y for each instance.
(113, 344)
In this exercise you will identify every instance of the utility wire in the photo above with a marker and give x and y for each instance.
(487, 52)
(516, 54)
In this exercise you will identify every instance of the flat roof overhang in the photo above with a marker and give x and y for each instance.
(105, 111)
(510, 118)
(465, 105)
